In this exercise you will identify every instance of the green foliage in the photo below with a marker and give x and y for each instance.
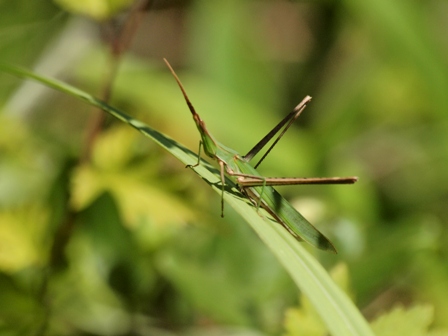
(97, 9)
(118, 173)
(304, 320)
(143, 250)
(414, 321)
(338, 312)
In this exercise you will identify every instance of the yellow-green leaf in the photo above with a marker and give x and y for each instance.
(413, 321)
(22, 238)
(96, 9)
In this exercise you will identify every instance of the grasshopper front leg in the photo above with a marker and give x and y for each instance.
(199, 157)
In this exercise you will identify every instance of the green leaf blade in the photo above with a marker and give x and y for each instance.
(335, 308)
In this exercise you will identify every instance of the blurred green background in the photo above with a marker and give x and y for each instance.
(103, 233)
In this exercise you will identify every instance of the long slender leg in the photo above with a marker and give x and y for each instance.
(222, 168)
(298, 110)
(292, 115)
(199, 157)
(249, 181)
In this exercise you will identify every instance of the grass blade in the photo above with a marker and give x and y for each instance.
(334, 307)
